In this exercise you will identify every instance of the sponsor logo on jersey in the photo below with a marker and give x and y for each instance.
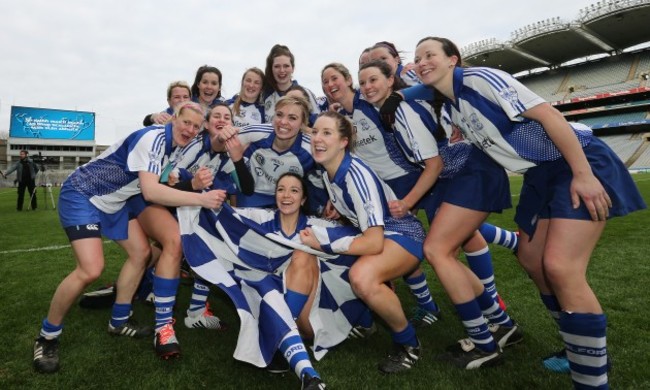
(365, 141)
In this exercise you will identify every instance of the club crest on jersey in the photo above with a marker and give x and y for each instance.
(475, 123)
(260, 159)
(364, 124)
(510, 95)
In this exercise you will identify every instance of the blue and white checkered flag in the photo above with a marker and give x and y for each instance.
(246, 261)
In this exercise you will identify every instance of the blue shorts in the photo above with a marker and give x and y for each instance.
(75, 209)
(402, 185)
(407, 232)
(545, 192)
(481, 185)
(412, 246)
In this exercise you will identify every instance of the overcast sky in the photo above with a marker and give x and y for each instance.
(117, 57)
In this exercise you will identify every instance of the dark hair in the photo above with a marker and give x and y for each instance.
(345, 127)
(386, 70)
(199, 75)
(219, 104)
(276, 51)
(392, 50)
(450, 49)
(237, 104)
(303, 184)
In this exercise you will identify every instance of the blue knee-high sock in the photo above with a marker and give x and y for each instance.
(120, 314)
(552, 305)
(296, 301)
(475, 325)
(584, 336)
(200, 292)
(49, 330)
(293, 349)
(420, 289)
(406, 336)
(480, 262)
(492, 311)
(164, 291)
(496, 235)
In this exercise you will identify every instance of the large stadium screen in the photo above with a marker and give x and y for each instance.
(46, 123)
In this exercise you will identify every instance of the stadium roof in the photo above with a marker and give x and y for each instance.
(604, 27)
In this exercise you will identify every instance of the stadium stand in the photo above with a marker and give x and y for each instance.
(642, 163)
(595, 69)
(623, 145)
(614, 119)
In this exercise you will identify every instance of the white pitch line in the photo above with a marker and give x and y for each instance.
(44, 248)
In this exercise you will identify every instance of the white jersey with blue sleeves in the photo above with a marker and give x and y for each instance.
(110, 179)
(372, 145)
(488, 109)
(271, 99)
(414, 128)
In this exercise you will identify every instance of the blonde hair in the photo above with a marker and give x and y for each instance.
(300, 102)
(188, 105)
(178, 84)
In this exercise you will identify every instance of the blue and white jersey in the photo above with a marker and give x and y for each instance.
(110, 179)
(270, 221)
(373, 145)
(249, 113)
(362, 197)
(201, 144)
(221, 166)
(414, 129)
(267, 165)
(270, 99)
(409, 77)
(487, 111)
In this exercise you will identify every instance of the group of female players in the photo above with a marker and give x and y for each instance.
(369, 157)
